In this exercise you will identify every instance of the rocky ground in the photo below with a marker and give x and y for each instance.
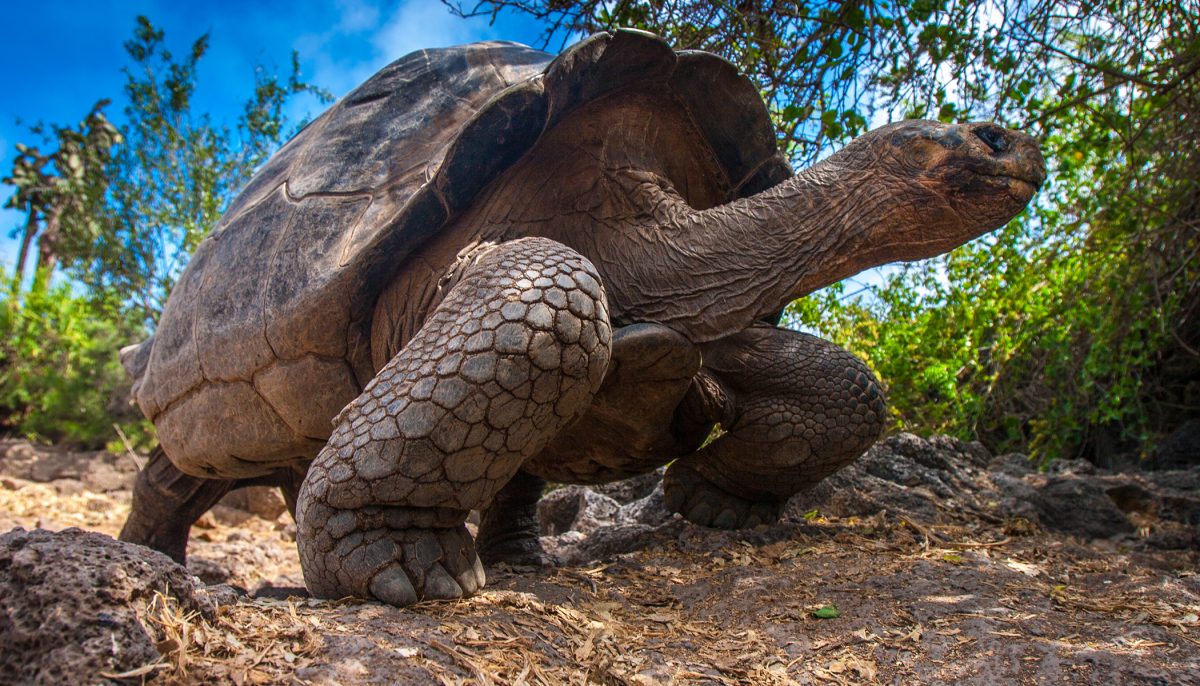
(924, 562)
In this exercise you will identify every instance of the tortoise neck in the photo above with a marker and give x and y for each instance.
(716, 271)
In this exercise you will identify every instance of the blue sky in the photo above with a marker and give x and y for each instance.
(67, 54)
(60, 57)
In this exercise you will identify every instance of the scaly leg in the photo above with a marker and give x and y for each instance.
(512, 355)
(626, 430)
(802, 409)
(166, 502)
(508, 528)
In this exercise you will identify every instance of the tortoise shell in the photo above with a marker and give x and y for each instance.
(265, 337)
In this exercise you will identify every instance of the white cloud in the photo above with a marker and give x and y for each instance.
(356, 15)
(367, 37)
(424, 24)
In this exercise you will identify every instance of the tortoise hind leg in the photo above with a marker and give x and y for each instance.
(167, 502)
(508, 527)
(802, 409)
(512, 355)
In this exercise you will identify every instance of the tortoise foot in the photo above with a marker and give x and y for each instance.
(344, 555)
(518, 551)
(428, 564)
(508, 528)
(702, 502)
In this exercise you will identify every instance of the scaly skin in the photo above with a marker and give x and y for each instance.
(512, 355)
(802, 408)
(463, 403)
(166, 502)
(508, 527)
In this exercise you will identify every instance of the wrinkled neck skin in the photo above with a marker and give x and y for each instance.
(718, 270)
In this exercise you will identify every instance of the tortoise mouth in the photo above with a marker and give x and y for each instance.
(981, 184)
(1022, 187)
(1032, 178)
(1020, 184)
(1026, 171)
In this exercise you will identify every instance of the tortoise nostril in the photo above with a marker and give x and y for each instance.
(993, 137)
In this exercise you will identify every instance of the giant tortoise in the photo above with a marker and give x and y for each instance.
(488, 267)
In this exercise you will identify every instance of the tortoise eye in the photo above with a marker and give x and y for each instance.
(993, 137)
(923, 152)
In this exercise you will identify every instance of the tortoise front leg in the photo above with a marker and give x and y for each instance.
(626, 430)
(512, 355)
(802, 409)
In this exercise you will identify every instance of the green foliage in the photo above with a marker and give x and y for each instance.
(121, 212)
(61, 192)
(826, 612)
(826, 68)
(176, 172)
(1074, 330)
(59, 375)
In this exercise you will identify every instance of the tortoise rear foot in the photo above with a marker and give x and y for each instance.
(702, 502)
(369, 553)
(508, 528)
(801, 408)
(518, 551)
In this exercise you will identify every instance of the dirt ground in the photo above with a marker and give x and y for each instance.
(852, 600)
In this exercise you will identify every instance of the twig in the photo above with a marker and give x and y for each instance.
(971, 544)
(464, 661)
(140, 671)
(929, 535)
(938, 540)
(129, 448)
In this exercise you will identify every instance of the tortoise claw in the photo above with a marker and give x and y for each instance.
(347, 553)
(702, 502)
(393, 587)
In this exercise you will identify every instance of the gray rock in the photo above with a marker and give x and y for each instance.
(580, 525)
(902, 473)
(1079, 507)
(69, 471)
(575, 508)
(632, 489)
(1070, 467)
(209, 571)
(1180, 449)
(650, 510)
(69, 602)
(262, 501)
(933, 480)
(1014, 464)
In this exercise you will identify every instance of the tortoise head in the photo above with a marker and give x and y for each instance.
(943, 184)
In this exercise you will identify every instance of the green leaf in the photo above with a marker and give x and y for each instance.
(826, 612)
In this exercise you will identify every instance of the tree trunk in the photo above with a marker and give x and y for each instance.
(48, 249)
(31, 227)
